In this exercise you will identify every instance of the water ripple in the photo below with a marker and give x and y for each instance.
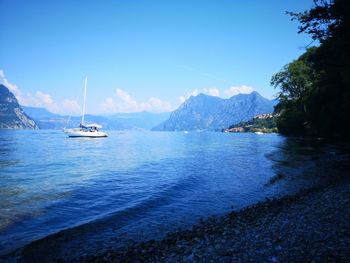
(133, 184)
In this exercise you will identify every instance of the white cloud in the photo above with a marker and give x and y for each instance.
(185, 97)
(127, 102)
(123, 102)
(237, 90)
(211, 91)
(216, 92)
(110, 105)
(40, 99)
(12, 87)
(71, 106)
(155, 105)
(23, 99)
(45, 100)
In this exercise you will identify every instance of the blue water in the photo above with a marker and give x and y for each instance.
(131, 185)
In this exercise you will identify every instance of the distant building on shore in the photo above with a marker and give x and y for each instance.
(264, 116)
(235, 129)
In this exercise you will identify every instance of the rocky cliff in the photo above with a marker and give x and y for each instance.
(12, 115)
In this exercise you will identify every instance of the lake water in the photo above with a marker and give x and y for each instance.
(133, 185)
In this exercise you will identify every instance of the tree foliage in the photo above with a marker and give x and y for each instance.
(315, 88)
(296, 81)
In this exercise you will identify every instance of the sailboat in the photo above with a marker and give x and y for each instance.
(86, 130)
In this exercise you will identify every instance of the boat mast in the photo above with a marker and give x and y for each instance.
(82, 118)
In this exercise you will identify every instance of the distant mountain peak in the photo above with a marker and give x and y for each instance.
(201, 95)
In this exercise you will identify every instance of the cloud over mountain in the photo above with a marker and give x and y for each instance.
(40, 99)
(235, 90)
(124, 102)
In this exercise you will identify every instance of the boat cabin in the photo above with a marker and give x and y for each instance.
(90, 127)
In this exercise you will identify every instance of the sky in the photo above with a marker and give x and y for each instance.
(143, 55)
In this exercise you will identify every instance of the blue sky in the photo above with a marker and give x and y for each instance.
(143, 55)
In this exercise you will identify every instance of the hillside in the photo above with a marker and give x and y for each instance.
(12, 115)
(117, 121)
(265, 123)
(204, 112)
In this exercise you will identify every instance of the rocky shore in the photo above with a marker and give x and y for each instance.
(312, 226)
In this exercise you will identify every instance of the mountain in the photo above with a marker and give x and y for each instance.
(117, 121)
(49, 120)
(45, 119)
(204, 112)
(39, 113)
(12, 115)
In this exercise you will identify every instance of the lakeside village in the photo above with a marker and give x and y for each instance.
(262, 123)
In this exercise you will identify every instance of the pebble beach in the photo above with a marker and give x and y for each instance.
(312, 226)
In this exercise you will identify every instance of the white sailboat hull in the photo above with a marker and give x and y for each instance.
(77, 132)
(85, 130)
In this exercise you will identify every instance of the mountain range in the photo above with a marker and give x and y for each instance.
(12, 115)
(117, 121)
(204, 112)
(201, 112)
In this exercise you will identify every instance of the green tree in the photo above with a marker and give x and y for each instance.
(297, 82)
(329, 23)
(315, 89)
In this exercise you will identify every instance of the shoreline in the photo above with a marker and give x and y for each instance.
(311, 226)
